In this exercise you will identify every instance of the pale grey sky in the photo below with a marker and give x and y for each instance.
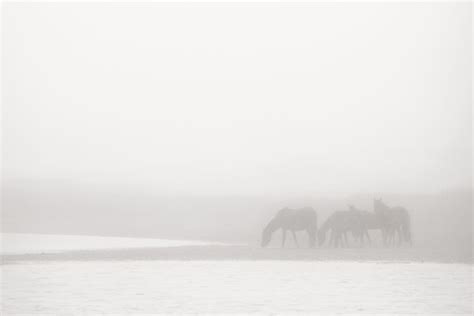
(239, 98)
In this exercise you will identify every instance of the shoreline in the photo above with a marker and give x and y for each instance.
(250, 253)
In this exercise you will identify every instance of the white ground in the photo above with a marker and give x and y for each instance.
(121, 287)
(162, 286)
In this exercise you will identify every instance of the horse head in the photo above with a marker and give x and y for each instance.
(266, 236)
(379, 205)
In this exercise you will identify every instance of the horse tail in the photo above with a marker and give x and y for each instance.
(315, 222)
(406, 227)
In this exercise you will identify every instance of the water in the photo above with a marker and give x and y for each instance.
(46, 243)
(236, 287)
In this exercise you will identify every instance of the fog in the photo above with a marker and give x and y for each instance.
(238, 99)
(251, 158)
(202, 121)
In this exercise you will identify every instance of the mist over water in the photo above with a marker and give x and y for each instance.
(237, 158)
(439, 221)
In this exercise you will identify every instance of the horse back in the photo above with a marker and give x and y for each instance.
(399, 211)
(298, 219)
(371, 220)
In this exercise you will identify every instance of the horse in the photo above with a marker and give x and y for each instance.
(293, 220)
(339, 222)
(368, 221)
(396, 221)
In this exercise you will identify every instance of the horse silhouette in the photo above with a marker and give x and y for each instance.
(340, 222)
(293, 220)
(368, 221)
(396, 221)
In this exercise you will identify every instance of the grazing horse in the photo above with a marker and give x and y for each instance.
(368, 221)
(293, 220)
(339, 222)
(396, 221)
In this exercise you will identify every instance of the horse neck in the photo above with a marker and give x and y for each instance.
(326, 225)
(376, 219)
(273, 225)
(383, 207)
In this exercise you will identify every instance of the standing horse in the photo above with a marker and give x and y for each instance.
(368, 221)
(396, 221)
(293, 220)
(339, 222)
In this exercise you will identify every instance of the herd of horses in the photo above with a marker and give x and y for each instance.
(393, 223)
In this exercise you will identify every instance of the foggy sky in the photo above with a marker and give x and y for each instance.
(239, 98)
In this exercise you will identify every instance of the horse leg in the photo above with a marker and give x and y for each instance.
(333, 240)
(393, 241)
(312, 238)
(389, 237)
(359, 238)
(346, 243)
(399, 231)
(340, 240)
(368, 236)
(356, 236)
(410, 242)
(283, 237)
(392, 237)
(294, 237)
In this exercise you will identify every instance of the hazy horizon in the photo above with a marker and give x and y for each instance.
(82, 185)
